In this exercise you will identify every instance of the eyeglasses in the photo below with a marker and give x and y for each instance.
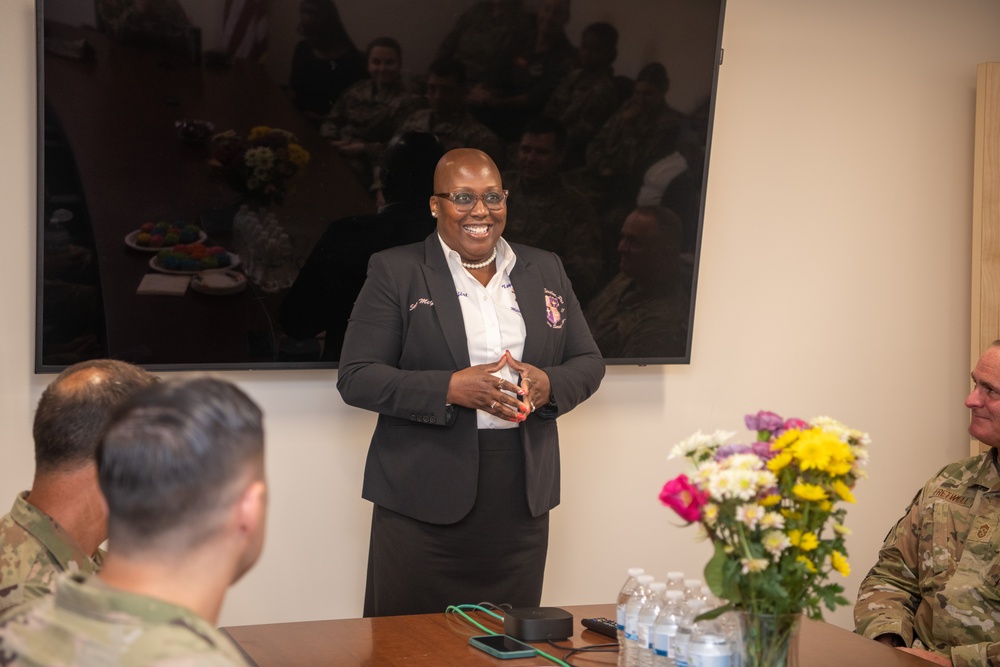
(466, 201)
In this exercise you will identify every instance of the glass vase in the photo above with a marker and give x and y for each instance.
(769, 640)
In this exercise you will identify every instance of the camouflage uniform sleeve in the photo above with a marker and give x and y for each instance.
(984, 654)
(889, 595)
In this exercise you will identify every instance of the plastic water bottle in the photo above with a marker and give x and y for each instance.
(647, 617)
(639, 597)
(692, 589)
(686, 628)
(709, 645)
(675, 581)
(665, 628)
(623, 596)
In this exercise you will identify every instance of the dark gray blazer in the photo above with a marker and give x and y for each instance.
(406, 337)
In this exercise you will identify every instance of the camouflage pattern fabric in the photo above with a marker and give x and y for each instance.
(937, 580)
(33, 550)
(464, 133)
(128, 20)
(365, 113)
(583, 101)
(628, 321)
(89, 624)
(559, 220)
(630, 142)
(478, 38)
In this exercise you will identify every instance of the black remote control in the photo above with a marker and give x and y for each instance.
(603, 625)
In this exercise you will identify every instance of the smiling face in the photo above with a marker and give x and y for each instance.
(473, 234)
(383, 65)
(984, 399)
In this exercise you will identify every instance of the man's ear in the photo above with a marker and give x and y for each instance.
(252, 507)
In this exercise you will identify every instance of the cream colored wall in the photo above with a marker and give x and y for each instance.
(834, 279)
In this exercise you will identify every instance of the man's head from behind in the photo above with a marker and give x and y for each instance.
(649, 245)
(181, 466)
(75, 408)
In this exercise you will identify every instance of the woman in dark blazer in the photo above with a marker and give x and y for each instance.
(468, 348)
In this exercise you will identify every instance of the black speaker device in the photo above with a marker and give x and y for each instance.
(533, 624)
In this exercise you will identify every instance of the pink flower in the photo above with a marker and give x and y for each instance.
(684, 498)
(796, 423)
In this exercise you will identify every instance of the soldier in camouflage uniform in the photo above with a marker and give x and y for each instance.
(366, 116)
(182, 468)
(59, 524)
(448, 118)
(936, 585)
(643, 313)
(544, 212)
(159, 21)
(587, 96)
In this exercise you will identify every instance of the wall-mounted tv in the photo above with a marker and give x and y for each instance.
(149, 251)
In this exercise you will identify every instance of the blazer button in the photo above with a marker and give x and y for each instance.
(433, 419)
(425, 419)
(413, 417)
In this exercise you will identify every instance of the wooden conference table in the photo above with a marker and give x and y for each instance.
(117, 111)
(442, 639)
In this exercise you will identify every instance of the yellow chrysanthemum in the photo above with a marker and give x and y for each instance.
(808, 563)
(839, 563)
(794, 537)
(812, 450)
(780, 461)
(771, 500)
(298, 155)
(843, 491)
(259, 131)
(710, 513)
(785, 439)
(841, 529)
(809, 492)
(808, 541)
(825, 506)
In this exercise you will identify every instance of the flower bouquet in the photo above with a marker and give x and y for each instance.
(261, 165)
(774, 512)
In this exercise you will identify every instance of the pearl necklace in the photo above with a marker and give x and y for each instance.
(485, 262)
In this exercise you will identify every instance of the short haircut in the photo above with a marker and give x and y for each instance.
(548, 125)
(385, 42)
(171, 459)
(606, 33)
(668, 223)
(75, 408)
(655, 74)
(448, 67)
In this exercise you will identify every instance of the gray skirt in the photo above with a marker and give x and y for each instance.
(495, 554)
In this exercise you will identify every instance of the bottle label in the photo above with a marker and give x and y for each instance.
(621, 617)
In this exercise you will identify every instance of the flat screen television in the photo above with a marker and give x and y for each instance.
(128, 112)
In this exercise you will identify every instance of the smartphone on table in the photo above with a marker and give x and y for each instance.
(502, 646)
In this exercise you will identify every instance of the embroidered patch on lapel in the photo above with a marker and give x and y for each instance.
(554, 309)
(421, 302)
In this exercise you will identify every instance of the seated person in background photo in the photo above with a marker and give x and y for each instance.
(59, 524)
(368, 113)
(587, 96)
(325, 63)
(639, 133)
(644, 310)
(448, 117)
(482, 33)
(544, 212)
(933, 590)
(518, 88)
(324, 291)
(182, 468)
(162, 22)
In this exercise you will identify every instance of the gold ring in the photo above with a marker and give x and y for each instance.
(493, 406)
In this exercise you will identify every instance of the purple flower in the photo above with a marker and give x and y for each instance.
(765, 423)
(762, 450)
(726, 451)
